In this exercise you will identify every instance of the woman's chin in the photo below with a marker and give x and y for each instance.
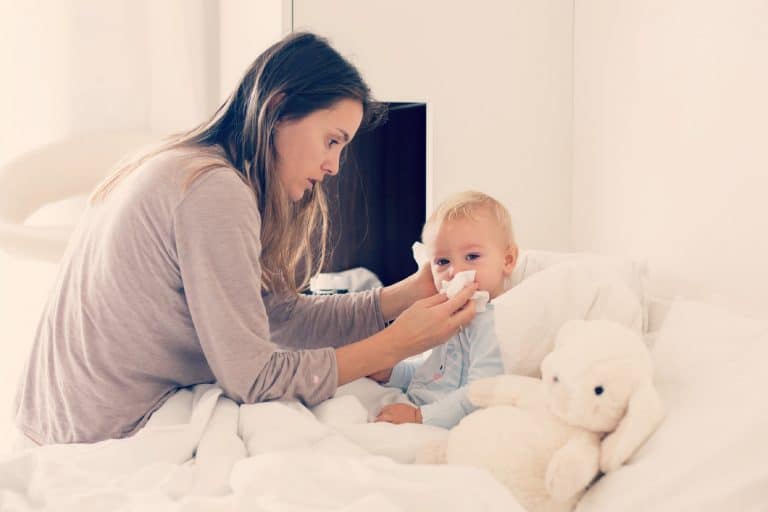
(297, 195)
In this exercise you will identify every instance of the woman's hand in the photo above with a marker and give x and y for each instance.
(397, 297)
(399, 413)
(425, 324)
(422, 283)
(431, 321)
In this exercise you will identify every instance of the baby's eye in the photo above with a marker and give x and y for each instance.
(441, 262)
(472, 256)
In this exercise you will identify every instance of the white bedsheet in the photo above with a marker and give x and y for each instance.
(201, 451)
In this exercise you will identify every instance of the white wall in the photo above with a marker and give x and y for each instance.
(497, 79)
(246, 29)
(670, 153)
(32, 58)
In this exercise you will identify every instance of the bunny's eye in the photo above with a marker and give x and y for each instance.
(599, 390)
(555, 379)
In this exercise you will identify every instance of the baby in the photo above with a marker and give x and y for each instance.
(469, 232)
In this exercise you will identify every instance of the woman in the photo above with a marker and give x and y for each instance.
(186, 266)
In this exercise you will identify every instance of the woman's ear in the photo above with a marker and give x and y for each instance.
(510, 259)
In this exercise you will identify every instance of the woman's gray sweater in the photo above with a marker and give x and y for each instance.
(159, 289)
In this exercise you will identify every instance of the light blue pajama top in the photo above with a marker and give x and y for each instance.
(438, 385)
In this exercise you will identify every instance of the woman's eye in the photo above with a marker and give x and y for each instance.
(332, 142)
(472, 257)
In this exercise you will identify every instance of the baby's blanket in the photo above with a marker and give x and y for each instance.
(201, 451)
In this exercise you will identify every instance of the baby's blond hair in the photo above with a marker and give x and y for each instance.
(466, 205)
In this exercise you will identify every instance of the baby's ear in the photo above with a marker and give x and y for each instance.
(510, 259)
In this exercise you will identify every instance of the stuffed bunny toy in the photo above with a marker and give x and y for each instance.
(547, 439)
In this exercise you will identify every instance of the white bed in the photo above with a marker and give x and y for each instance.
(202, 452)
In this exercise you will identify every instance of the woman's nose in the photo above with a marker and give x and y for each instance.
(331, 166)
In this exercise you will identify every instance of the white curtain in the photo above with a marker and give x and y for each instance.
(83, 66)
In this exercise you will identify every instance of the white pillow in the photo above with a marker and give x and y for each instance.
(529, 315)
(533, 261)
(710, 452)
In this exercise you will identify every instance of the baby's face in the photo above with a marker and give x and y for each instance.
(471, 244)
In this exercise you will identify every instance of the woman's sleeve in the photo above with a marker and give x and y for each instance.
(217, 239)
(304, 321)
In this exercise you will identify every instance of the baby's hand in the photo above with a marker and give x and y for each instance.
(399, 413)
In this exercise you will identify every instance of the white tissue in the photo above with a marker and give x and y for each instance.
(461, 280)
(419, 254)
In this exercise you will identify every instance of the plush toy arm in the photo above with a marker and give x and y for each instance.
(573, 467)
(644, 413)
(502, 390)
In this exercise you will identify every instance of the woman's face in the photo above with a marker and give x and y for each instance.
(309, 149)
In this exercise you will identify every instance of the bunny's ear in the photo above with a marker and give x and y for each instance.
(570, 330)
(644, 413)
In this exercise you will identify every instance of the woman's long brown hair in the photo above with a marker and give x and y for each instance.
(296, 76)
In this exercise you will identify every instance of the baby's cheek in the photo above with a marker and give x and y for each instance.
(489, 281)
(482, 280)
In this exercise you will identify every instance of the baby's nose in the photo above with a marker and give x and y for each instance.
(459, 267)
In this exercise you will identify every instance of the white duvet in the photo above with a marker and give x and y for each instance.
(203, 452)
